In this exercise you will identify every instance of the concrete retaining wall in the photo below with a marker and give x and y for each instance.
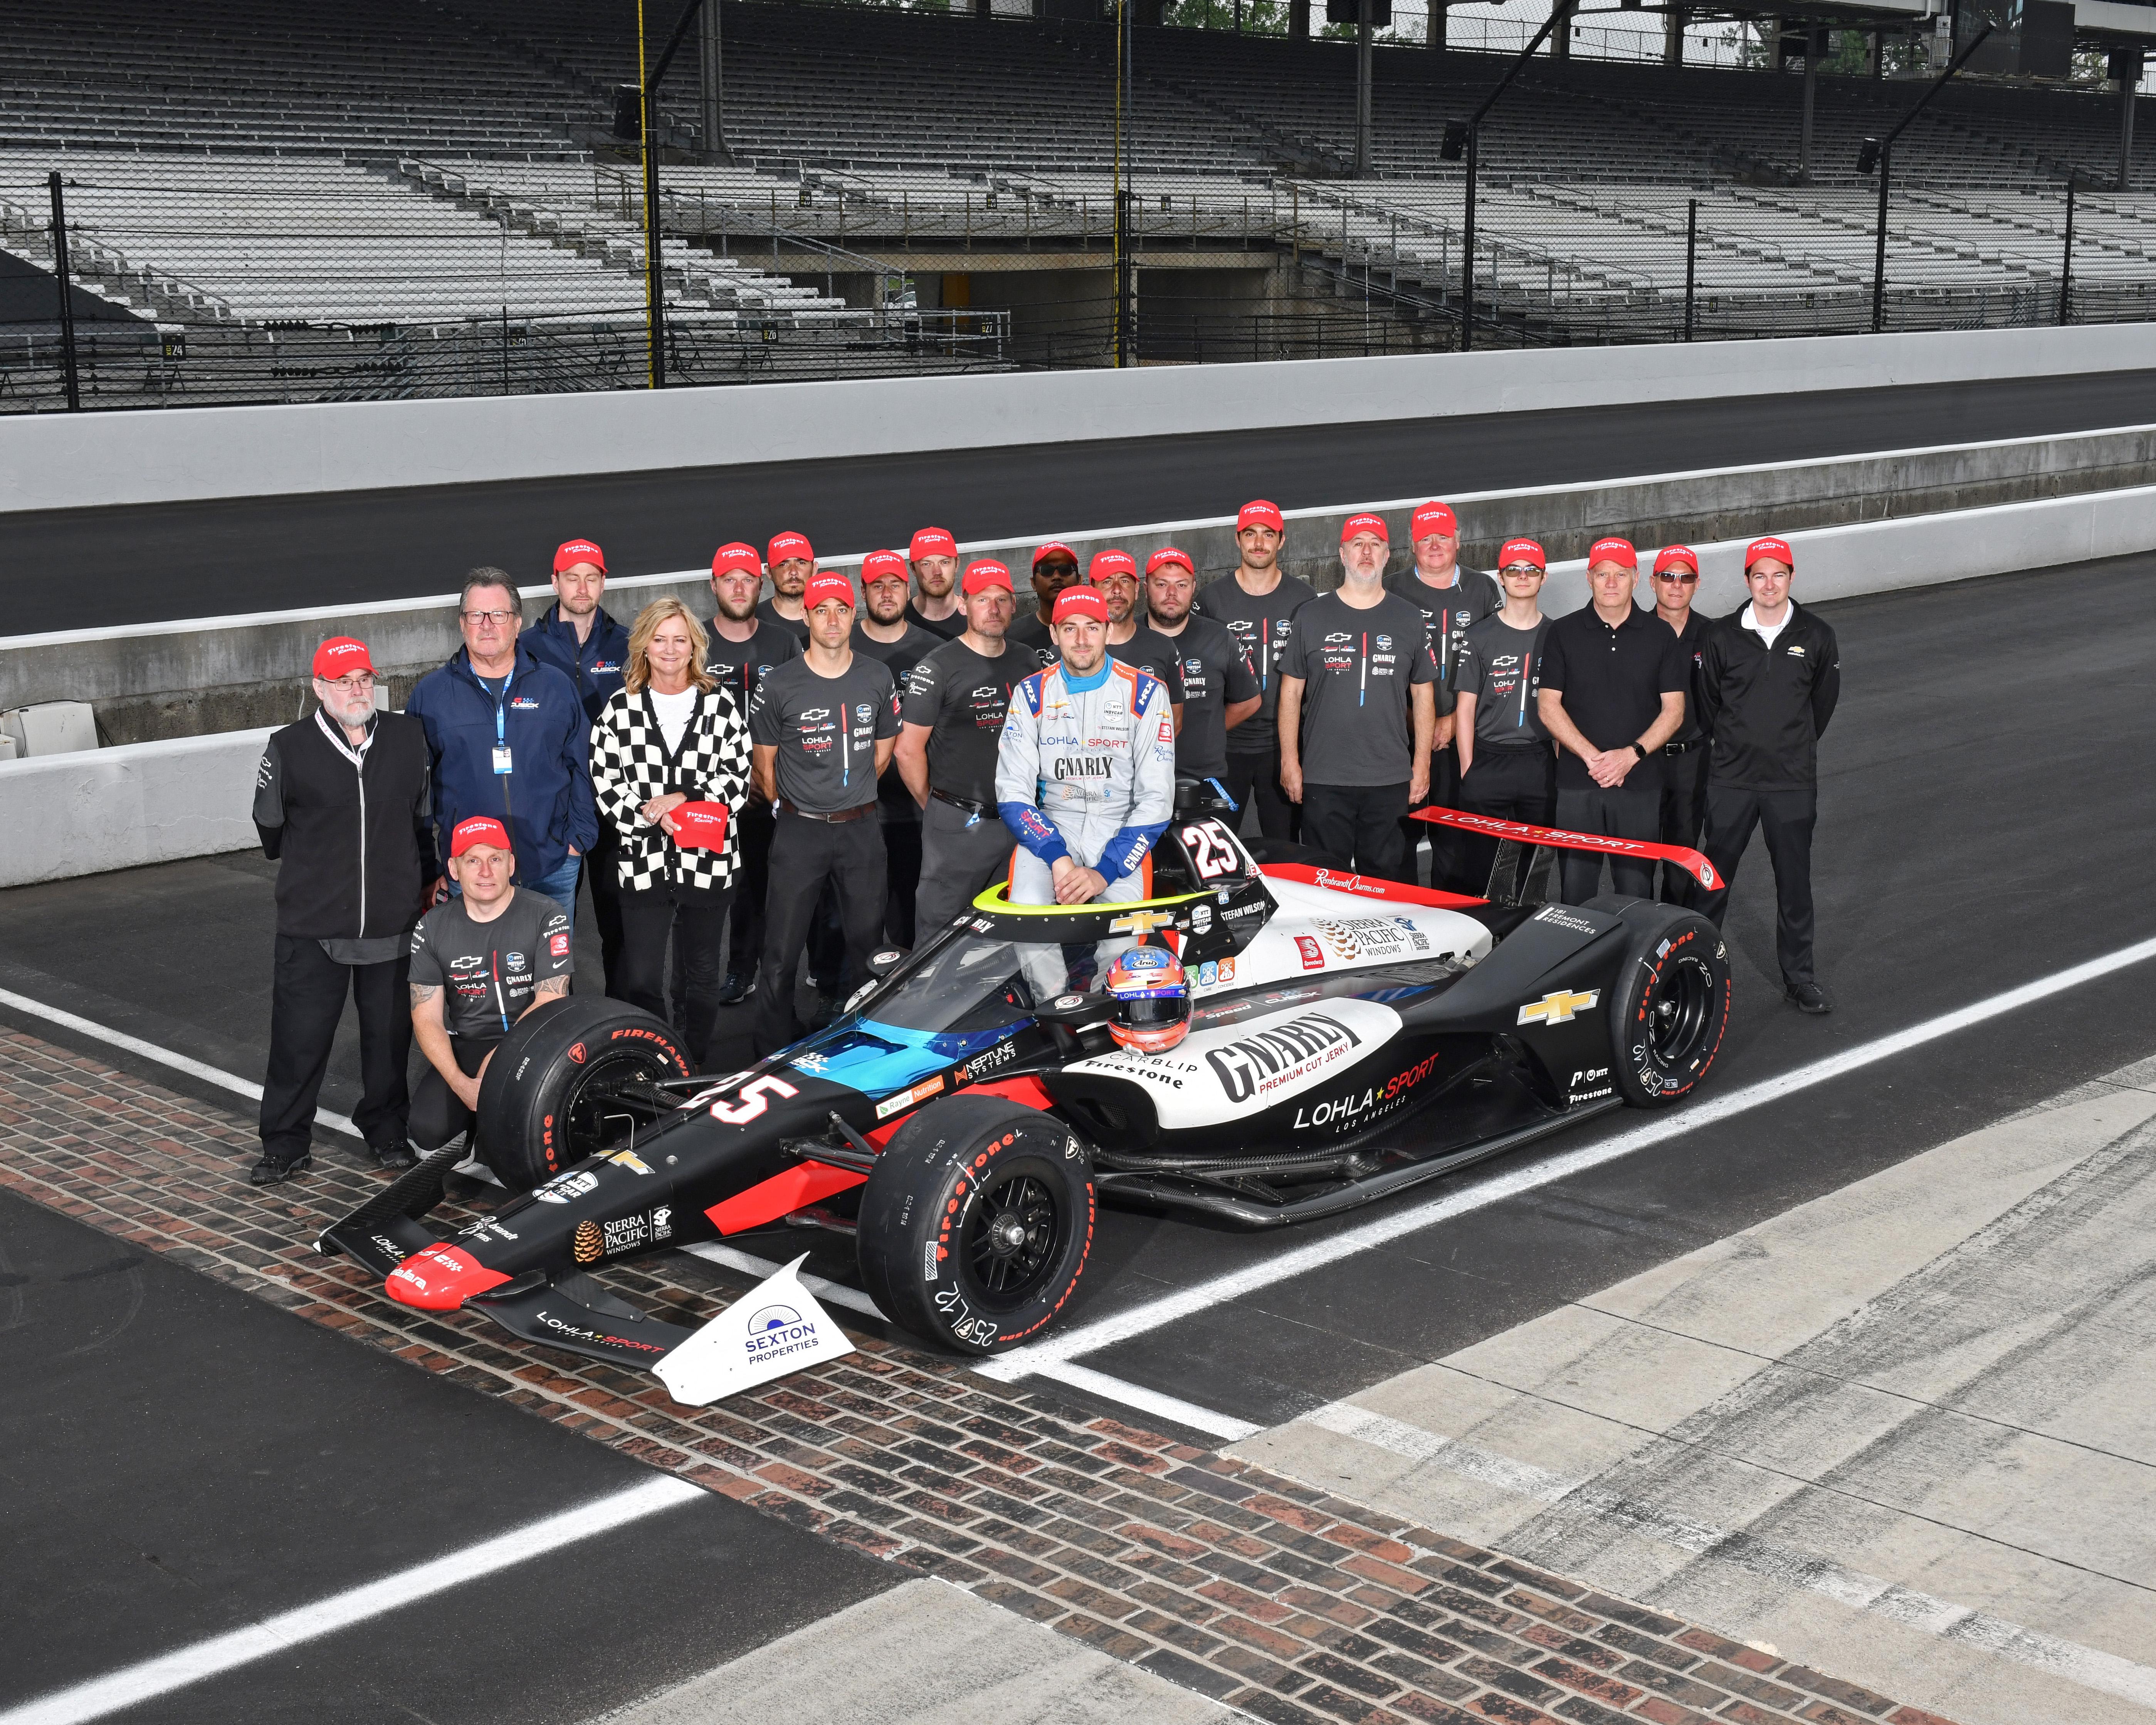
(93, 460)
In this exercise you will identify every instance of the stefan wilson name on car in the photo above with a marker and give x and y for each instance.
(1256, 1064)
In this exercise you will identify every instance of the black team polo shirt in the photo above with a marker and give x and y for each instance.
(1613, 682)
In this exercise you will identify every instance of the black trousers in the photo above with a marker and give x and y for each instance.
(751, 882)
(1628, 812)
(307, 996)
(1359, 823)
(1255, 779)
(1448, 845)
(804, 855)
(1510, 784)
(1684, 808)
(695, 923)
(600, 875)
(901, 850)
(1786, 820)
(438, 1113)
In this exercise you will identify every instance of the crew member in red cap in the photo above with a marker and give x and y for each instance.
(1054, 568)
(1769, 682)
(743, 649)
(1115, 574)
(480, 962)
(792, 563)
(343, 805)
(1676, 582)
(1507, 764)
(1612, 693)
(581, 640)
(1255, 605)
(1452, 599)
(1218, 692)
(822, 728)
(1355, 712)
(954, 710)
(886, 630)
(933, 557)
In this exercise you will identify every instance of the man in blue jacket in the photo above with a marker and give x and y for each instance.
(509, 740)
(582, 642)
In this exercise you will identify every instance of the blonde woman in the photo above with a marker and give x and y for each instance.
(671, 735)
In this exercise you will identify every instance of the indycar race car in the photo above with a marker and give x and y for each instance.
(963, 1119)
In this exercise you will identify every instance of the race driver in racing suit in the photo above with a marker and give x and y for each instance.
(1086, 768)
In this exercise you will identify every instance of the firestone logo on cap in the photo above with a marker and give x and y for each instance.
(987, 573)
(737, 558)
(1356, 525)
(1168, 554)
(1522, 551)
(1051, 549)
(478, 830)
(1258, 513)
(1612, 551)
(824, 585)
(883, 565)
(1778, 549)
(340, 655)
(784, 546)
(700, 825)
(1434, 518)
(1080, 601)
(932, 542)
(1111, 563)
(1676, 555)
(579, 551)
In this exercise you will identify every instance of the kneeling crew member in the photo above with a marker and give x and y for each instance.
(1085, 770)
(479, 964)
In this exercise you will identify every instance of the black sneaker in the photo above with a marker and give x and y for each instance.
(270, 1171)
(395, 1158)
(1808, 997)
(738, 989)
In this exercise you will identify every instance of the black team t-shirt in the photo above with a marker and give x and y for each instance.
(766, 612)
(740, 665)
(1358, 667)
(1214, 677)
(825, 729)
(1501, 667)
(1028, 630)
(945, 629)
(1449, 613)
(1613, 682)
(1260, 624)
(488, 972)
(1152, 652)
(895, 801)
(964, 698)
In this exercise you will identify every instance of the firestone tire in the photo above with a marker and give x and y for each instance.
(1669, 1009)
(543, 1103)
(976, 1224)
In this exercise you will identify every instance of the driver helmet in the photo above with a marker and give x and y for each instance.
(1152, 1000)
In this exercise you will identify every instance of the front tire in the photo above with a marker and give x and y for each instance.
(543, 1104)
(1669, 1009)
(976, 1224)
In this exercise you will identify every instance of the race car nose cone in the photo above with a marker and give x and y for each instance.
(440, 1278)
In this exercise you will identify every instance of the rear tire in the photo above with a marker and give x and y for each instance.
(1669, 1009)
(542, 1106)
(976, 1224)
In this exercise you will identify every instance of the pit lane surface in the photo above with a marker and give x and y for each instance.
(1978, 802)
(160, 562)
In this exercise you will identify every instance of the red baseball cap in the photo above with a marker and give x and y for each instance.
(825, 585)
(576, 552)
(1169, 554)
(1434, 518)
(1050, 549)
(478, 830)
(339, 655)
(1111, 563)
(790, 545)
(700, 826)
(736, 558)
(1080, 601)
(987, 573)
(1522, 551)
(1612, 550)
(1260, 514)
(1356, 524)
(1778, 549)
(884, 565)
(1670, 555)
(932, 542)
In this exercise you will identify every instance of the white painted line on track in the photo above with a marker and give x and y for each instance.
(163, 1056)
(1153, 1314)
(135, 1684)
(837, 1292)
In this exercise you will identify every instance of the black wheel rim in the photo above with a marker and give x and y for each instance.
(1011, 1239)
(1679, 1008)
(595, 1121)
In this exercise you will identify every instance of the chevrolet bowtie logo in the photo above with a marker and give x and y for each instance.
(1143, 923)
(1557, 1008)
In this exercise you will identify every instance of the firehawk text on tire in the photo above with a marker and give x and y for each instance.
(1669, 1009)
(545, 1104)
(976, 1224)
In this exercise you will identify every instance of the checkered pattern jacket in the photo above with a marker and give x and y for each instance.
(630, 766)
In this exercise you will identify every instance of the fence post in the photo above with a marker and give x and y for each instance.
(2067, 262)
(67, 295)
(1691, 258)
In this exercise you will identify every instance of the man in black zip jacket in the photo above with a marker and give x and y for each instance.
(344, 806)
(1769, 678)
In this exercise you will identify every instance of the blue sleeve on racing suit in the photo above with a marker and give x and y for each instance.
(1152, 782)
(1017, 773)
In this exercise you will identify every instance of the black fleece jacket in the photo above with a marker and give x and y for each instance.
(1768, 708)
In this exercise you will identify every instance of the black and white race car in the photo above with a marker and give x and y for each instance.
(964, 1118)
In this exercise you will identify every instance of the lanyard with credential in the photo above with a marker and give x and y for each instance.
(503, 759)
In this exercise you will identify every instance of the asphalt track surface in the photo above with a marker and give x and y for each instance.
(87, 569)
(1989, 785)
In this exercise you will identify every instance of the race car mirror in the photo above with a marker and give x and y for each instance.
(882, 962)
(1077, 1012)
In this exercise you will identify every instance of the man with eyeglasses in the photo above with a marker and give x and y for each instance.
(343, 803)
(1684, 755)
(509, 740)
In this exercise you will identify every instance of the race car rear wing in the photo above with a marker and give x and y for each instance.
(1519, 875)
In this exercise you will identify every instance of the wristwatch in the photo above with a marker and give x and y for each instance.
(1637, 750)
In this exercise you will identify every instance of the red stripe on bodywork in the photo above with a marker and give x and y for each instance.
(1683, 855)
(1363, 886)
(781, 1195)
(1024, 1090)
